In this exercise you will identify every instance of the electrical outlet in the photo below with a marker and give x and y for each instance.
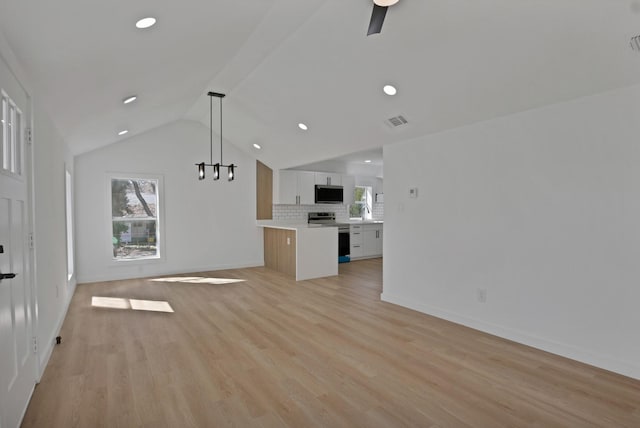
(482, 295)
(413, 192)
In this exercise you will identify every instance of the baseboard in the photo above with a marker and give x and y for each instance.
(26, 406)
(46, 346)
(121, 276)
(575, 353)
(355, 259)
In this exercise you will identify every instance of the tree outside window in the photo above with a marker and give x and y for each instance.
(134, 215)
(361, 207)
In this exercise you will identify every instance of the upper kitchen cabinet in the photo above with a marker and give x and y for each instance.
(328, 178)
(306, 188)
(296, 187)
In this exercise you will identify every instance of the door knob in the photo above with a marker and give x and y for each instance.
(7, 276)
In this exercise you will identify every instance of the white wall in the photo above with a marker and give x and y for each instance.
(54, 290)
(374, 182)
(365, 170)
(541, 209)
(208, 225)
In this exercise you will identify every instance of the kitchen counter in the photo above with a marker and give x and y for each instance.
(297, 225)
(299, 249)
(286, 225)
(362, 221)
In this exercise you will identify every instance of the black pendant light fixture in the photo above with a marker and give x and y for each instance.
(231, 174)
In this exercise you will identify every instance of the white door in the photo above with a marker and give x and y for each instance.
(17, 359)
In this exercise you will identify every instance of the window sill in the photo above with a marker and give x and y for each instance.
(140, 261)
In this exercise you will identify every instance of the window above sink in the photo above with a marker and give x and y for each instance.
(361, 208)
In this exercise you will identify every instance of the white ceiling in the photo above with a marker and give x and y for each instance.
(352, 164)
(282, 62)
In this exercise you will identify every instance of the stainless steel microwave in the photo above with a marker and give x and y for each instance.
(329, 194)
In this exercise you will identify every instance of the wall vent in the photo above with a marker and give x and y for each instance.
(396, 121)
(635, 43)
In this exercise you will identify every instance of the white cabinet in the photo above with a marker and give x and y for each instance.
(372, 240)
(306, 188)
(356, 241)
(328, 178)
(288, 188)
(366, 240)
(296, 187)
(349, 186)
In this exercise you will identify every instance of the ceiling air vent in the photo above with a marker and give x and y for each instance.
(396, 121)
(635, 43)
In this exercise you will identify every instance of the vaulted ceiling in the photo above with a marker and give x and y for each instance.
(282, 62)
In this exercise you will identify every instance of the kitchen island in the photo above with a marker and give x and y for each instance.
(301, 250)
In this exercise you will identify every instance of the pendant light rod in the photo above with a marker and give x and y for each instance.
(221, 130)
(211, 129)
(216, 167)
(220, 96)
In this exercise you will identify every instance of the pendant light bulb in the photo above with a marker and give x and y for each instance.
(216, 171)
(231, 172)
(201, 171)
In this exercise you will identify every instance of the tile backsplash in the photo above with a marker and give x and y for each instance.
(299, 212)
(378, 210)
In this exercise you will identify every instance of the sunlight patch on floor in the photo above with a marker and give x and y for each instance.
(199, 280)
(133, 304)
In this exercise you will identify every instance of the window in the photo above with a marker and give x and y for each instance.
(134, 217)
(362, 203)
(4, 134)
(10, 136)
(69, 214)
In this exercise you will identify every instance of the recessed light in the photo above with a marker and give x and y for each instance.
(146, 22)
(130, 99)
(257, 146)
(124, 131)
(385, 3)
(303, 126)
(367, 161)
(390, 90)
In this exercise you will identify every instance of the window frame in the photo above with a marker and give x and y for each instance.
(12, 138)
(160, 232)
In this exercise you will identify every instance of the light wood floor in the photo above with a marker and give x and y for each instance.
(273, 352)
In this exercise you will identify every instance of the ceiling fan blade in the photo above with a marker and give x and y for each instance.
(377, 18)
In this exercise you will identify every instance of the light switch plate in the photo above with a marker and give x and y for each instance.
(413, 192)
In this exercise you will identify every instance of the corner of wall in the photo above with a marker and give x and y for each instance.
(46, 345)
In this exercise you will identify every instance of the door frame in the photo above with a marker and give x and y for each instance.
(7, 56)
